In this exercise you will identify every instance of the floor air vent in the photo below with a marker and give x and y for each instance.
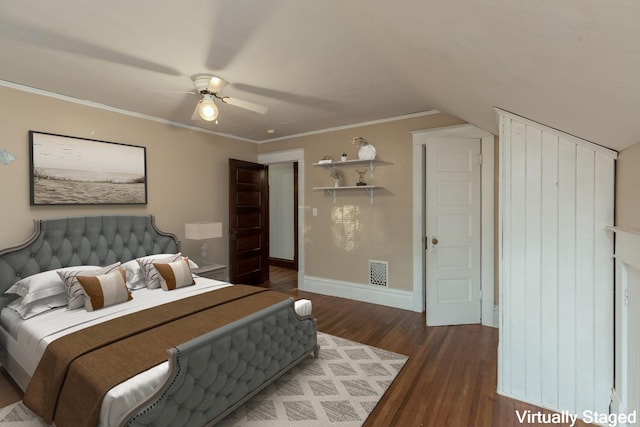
(378, 273)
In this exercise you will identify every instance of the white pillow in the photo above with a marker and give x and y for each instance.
(192, 264)
(135, 276)
(150, 273)
(43, 285)
(75, 293)
(29, 310)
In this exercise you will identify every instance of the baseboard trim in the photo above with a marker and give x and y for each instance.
(359, 292)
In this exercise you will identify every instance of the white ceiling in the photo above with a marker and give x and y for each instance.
(572, 65)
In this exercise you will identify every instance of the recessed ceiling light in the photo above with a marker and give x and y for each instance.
(271, 131)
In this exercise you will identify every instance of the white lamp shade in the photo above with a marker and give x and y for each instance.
(203, 230)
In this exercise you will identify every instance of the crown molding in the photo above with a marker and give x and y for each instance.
(353, 125)
(92, 104)
(97, 105)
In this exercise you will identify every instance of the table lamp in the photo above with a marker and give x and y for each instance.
(203, 230)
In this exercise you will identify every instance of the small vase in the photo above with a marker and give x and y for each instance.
(367, 152)
(336, 183)
(343, 158)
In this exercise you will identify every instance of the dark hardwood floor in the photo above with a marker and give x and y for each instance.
(451, 375)
(449, 379)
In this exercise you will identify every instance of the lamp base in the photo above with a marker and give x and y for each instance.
(204, 257)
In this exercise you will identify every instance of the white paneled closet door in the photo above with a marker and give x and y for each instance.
(556, 268)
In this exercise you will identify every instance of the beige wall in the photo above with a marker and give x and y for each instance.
(342, 238)
(187, 170)
(627, 185)
(187, 175)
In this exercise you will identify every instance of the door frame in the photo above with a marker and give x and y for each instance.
(284, 156)
(487, 214)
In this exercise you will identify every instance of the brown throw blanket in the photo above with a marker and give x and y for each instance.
(77, 370)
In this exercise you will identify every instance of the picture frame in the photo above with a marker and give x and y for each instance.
(68, 170)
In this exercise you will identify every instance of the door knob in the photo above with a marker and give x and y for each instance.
(434, 241)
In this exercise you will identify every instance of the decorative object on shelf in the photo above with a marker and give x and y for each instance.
(6, 156)
(344, 157)
(326, 159)
(336, 168)
(203, 230)
(366, 150)
(336, 175)
(361, 173)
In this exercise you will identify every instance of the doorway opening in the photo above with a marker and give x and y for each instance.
(293, 156)
(283, 215)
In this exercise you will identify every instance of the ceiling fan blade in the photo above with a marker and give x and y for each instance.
(260, 109)
(169, 91)
(196, 114)
(55, 41)
(233, 25)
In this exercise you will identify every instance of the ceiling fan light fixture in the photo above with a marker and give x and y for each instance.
(216, 84)
(207, 109)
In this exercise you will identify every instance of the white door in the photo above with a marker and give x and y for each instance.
(453, 231)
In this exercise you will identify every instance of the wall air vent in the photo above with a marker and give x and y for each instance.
(378, 273)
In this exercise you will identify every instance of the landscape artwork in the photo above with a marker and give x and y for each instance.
(75, 171)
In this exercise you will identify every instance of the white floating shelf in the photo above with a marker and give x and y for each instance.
(371, 162)
(334, 190)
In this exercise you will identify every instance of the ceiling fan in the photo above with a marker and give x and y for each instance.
(210, 86)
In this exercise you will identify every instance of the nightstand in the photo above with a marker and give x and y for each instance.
(213, 271)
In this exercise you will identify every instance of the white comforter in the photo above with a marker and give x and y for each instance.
(35, 334)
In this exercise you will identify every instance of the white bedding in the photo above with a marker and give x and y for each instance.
(33, 335)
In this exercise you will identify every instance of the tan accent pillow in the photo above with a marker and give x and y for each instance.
(175, 274)
(150, 273)
(105, 290)
(75, 294)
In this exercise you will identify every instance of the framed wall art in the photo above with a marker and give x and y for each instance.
(67, 170)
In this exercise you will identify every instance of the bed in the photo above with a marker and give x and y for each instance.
(188, 353)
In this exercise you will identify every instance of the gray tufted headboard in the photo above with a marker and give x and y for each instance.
(87, 240)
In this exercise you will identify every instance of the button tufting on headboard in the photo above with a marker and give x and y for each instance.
(89, 240)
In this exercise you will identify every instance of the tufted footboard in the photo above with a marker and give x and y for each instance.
(212, 375)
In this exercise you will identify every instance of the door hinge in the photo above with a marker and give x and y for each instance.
(480, 159)
(480, 294)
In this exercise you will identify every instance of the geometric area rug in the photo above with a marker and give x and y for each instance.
(339, 389)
